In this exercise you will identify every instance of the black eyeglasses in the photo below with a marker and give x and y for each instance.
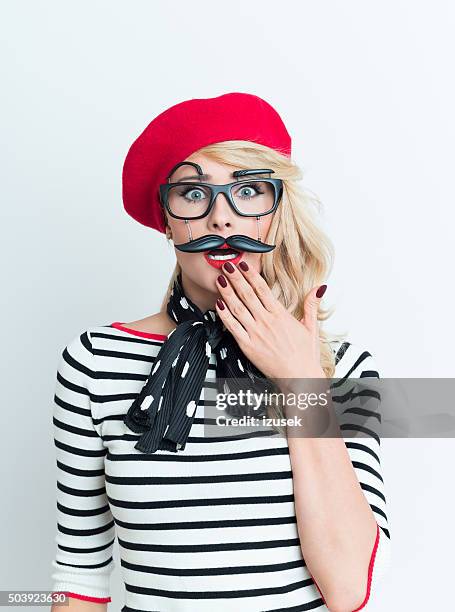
(248, 197)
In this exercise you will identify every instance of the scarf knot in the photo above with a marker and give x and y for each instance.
(214, 332)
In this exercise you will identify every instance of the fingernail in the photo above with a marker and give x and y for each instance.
(229, 267)
(222, 281)
(320, 292)
(220, 304)
(244, 266)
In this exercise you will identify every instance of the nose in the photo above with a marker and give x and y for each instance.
(222, 215)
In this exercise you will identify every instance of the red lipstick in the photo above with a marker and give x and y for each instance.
(219, 263)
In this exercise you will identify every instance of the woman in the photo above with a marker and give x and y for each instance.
(242, 519)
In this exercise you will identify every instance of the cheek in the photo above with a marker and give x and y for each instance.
(253, 227)
(181, 233)
(265, 223)
(188, 261)
(194, 263)
(254, 260)
(198, 271)
(191, 263)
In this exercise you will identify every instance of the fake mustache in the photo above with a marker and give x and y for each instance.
(236, 241)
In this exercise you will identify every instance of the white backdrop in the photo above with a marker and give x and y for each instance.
(366, 90)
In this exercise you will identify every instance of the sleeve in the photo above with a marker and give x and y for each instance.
(357, 400)
(85, 536)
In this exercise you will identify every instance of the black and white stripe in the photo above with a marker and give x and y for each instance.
(211, 527)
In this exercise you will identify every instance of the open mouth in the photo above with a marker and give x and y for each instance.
(222, 254)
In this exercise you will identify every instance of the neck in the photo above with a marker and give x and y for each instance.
(203, 298)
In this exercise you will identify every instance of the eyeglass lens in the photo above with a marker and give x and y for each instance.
(250, 197)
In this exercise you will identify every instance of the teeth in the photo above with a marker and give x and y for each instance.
(222, 257)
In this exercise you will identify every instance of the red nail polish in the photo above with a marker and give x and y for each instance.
(229, 267)
(220, 304)
(244, 266)
(320, 292)
(222, 280)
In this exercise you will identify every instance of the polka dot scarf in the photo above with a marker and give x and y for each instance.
(163, 412)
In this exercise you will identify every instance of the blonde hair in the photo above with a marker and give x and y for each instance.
(303, 256)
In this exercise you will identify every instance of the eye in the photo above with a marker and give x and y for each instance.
(193, 194)
(246, 192)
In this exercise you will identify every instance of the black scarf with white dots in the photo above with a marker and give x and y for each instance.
(163, 412)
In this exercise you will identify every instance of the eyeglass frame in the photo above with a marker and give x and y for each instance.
(225, 189)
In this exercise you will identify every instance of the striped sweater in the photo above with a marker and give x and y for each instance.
(210, 527)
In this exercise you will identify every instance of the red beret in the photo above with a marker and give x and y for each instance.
(184, 128)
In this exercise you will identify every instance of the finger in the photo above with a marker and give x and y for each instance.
(231, 323)
(311, 307)
(263, 294)
(237, 307)
(244, 291)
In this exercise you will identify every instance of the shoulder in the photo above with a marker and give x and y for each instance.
(76, 360)
(354, 360)
(80, 344)
(86, 339)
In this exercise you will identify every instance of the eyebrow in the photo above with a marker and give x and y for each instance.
(205, 177)
(202, 177)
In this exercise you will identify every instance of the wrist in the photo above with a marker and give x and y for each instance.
(303, 380)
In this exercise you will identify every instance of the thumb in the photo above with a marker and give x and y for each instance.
(311, 306)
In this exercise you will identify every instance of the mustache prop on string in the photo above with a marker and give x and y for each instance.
(239, 242)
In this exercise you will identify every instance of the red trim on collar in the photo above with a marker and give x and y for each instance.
(135, 332)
